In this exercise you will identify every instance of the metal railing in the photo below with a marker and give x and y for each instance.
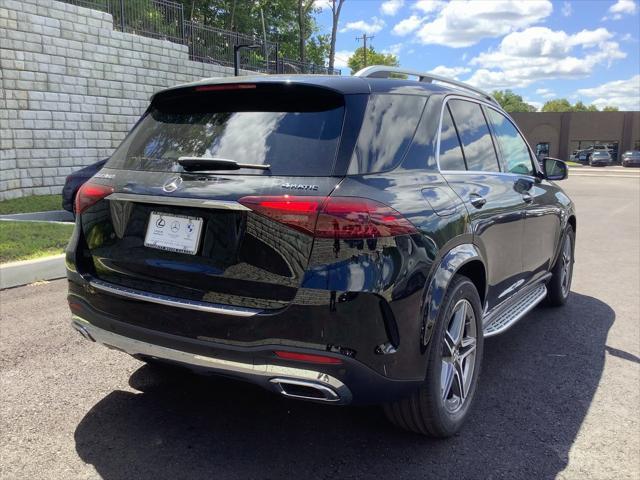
(164, 19)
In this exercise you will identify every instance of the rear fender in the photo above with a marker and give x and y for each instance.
(451, 263)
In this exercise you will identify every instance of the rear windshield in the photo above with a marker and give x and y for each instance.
(295, 130)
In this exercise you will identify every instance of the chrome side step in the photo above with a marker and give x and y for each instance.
(505, 317)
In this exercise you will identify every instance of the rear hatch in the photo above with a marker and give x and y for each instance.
(150, 225)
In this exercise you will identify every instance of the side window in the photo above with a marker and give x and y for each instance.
(387, 129)
(515, 153)
(477, 145)
(451, 157)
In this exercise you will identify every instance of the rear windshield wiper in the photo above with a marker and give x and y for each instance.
(194, 164)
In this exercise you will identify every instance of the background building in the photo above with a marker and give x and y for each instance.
(560, 134)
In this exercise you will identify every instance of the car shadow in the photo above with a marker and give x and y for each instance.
(537, 384)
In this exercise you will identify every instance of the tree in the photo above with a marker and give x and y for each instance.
(512, 102)
(356, 61)
(336, 7)
(317, 49)
(563, 105)
(285, 23)
(558, 105)
(304, 9)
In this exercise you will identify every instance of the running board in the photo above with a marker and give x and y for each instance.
(507, 316)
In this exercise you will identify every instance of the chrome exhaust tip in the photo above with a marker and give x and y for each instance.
(304, 390)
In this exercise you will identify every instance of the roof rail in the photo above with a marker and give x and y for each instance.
(381, 71)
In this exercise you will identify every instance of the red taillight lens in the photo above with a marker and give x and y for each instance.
(347, 217)
(332, 217)
(90, 193)
(300, 213)
(306, 357)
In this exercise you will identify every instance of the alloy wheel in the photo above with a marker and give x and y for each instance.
(458, 356)
(566, 266)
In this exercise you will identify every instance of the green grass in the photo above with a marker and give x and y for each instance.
(35, 203)
(573, 164)
(26, 240)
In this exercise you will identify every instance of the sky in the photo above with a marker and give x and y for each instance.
(584, 50)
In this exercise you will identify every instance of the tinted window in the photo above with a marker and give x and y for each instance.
(451, 157)
(387, 129)
(295, 139)
(475, 137)
(515, 153)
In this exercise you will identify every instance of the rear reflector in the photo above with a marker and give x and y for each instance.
(332, 217)
(89, 194)
(306, 357)
(230, 86)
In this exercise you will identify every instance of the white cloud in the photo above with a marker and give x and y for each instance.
(406, 26)
(450, 72)
(538, 53)
(533, 103)
(624, 94)
(624, 6)
(393, 49)
(567, 9)
(341, 58)
(462, 23)
(545, 93)
(621, 7)
(391, 7)
(428, 6)
(374, 26)
(322, 4)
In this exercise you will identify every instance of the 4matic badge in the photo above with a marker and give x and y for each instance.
(299, 186)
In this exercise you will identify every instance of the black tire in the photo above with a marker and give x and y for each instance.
(424, 411)
(557, 291)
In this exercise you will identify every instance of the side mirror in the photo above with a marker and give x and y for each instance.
(554, 169)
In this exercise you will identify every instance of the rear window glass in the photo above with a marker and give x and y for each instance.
(387, 129)
(295, 132)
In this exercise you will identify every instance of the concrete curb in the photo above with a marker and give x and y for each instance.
(54, 216)
(28, 271)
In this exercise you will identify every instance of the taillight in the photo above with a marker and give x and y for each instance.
(332, 217)
(89, 194)
(306, 357)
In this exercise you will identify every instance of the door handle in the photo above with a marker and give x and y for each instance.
(476, 200)
(527, 198)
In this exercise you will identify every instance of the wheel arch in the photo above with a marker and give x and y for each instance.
(463, 259)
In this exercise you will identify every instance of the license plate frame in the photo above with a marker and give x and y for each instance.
(173, 233)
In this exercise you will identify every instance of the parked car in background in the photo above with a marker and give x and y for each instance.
(600, 158)
(75, 180)
(631, 158)
(332, 239)
(582, 155)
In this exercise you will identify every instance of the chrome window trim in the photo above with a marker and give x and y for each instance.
(489, 105)
(178, 201)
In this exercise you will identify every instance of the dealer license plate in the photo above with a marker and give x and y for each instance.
(175, 233)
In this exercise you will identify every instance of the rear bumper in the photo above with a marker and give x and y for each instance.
(349, 382)
(318, 386)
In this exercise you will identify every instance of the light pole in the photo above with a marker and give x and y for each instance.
(236, 56)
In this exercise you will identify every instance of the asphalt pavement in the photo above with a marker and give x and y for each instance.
(559, 394)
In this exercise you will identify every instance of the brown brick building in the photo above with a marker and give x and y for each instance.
(559, 134)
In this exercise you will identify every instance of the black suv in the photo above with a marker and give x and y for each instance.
(334, 239)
